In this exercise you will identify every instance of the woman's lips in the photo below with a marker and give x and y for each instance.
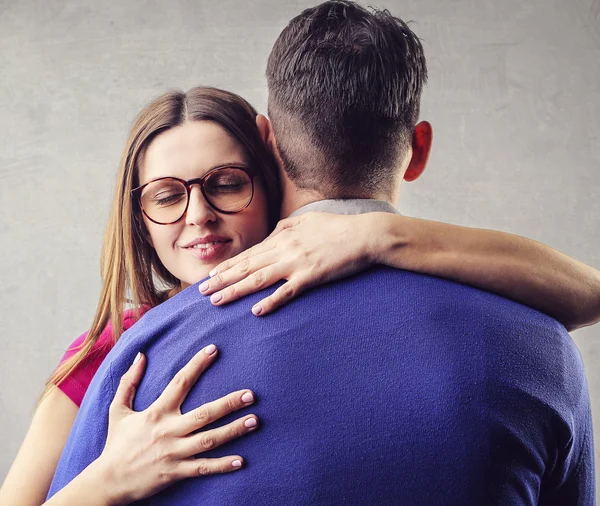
(209, 251)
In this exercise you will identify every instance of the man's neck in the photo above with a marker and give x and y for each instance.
(289, 205)
(347, 206)
(294, 198)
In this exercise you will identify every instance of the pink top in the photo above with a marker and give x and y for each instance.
(76, 384)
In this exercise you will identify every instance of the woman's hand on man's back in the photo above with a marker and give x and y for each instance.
(149, 450)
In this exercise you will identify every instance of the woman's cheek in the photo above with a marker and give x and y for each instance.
(257, 228)
(164, 241)
(259, 219)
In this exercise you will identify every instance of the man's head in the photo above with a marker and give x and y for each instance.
(344, 96)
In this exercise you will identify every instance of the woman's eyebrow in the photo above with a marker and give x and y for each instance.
(219, 165)
(222, 165)
(244, 164)
(202, 174)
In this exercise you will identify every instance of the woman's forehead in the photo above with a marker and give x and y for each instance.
(190, 150)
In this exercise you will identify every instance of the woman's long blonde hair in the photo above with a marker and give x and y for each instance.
(130, 267)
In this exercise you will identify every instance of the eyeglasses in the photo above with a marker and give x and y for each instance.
(228, 189)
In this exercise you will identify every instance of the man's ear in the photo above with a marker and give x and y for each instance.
(268, 137)
(264, 127)
(266, 131)
(421, 148)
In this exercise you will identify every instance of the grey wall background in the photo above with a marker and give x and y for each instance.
(514, 97)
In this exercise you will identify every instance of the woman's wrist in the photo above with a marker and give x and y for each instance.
(407, 243)
(366, 232)
(94, 486)
(100, 479)
(387, 238)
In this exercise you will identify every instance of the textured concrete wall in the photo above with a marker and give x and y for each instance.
(514, 97)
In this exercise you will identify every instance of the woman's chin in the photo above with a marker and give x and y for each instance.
(199, 273)
(192, 281)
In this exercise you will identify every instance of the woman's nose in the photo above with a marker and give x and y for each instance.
(199, 211)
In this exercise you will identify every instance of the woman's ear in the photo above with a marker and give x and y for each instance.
(147, 237)
(421, 148)
(143, 231)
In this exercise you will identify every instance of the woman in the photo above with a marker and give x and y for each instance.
(196, 187)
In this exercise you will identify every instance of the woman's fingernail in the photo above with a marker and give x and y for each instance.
(247, 397)
(213, 272)
(137, 357)
(204, 287)
(215, 297)
(251, 422)
(236, 463)
(210, 349)
(257, 309)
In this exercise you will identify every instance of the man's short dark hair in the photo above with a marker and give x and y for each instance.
(344, 96)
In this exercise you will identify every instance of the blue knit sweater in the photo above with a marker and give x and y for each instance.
(386, 388)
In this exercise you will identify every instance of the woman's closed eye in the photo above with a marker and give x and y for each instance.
(226, 187)
(165, 199)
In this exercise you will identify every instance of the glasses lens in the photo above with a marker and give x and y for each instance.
(164, 201)
(228, 189)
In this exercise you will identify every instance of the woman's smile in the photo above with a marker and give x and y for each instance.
(209, 248)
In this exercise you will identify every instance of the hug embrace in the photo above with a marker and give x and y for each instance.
(271, 330)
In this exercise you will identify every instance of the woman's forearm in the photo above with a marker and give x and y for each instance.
(521, 269)
(91, 488)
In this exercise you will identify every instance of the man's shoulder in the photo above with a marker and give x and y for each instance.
(436, 297)
(485, 323)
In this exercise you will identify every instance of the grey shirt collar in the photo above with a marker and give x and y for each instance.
(347, 206)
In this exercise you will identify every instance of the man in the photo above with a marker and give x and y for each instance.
(389, 387)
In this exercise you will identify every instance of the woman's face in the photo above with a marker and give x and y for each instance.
(187, 152)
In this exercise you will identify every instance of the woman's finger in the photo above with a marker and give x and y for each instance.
(178, 388)
(128, 385)
(259, 280)
(192, 467)
(257, 249)
(238, 272)
(212, 411)
(204, 441)
(284, 224)
(278, 298)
